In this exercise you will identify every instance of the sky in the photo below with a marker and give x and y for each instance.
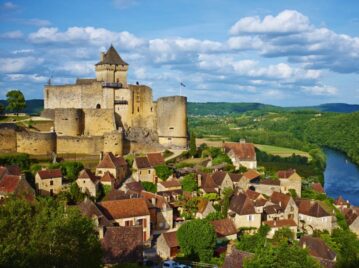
(281, 52)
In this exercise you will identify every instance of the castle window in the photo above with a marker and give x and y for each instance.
(171, 128)
(51, 182)
(98, 106)
(138, 109)
(151, 109)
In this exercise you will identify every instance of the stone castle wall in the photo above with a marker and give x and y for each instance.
(69, 121)
(172, 121)
(8, 138)
(79, 145)
(99, 121)
(113, 142)
(36, 143)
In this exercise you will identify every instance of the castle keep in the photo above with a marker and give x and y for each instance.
(108, 114)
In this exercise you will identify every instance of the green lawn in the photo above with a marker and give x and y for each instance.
(280, 151)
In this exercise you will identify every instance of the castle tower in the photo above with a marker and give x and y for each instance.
(112, 68)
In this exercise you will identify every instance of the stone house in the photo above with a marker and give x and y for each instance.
(258, 199)
(167, 245)
(48, 181)
(155, 159)
(290, 179)
(275, 225)
(160, 210)
(116, 165)
(313, 216)
(206, 183)
(317, 187)
(287, 204)
(248, 178)
(242, 212)
(266, 186)
(169, 185)
(340, 203)
(128, 212)
(205, 207)
(122, 244)
(88, 182)
(352, 219)
(319, 250)
(108, 179)
(235, 258)
(225, 229)
(143, 171)
(222, 180)
(273, 212)
(241, 154)
(134, 187)
(17, 186)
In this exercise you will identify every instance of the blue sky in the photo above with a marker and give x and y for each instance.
(278, 52)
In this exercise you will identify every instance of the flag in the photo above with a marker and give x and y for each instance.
(183, 85)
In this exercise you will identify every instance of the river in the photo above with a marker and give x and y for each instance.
(341, 177)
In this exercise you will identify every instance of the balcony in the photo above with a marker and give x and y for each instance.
(121, 102)
(111, 85)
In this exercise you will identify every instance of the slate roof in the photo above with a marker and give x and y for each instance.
(50, 174)
(285, 174)
(155, 159)
(280, 223)
(224, 227)
(244, 151)
(122, 244)
(86, 174)
(111, 161)
(236, 259)
(112, 57)
(171, 239)
(142, 162)
(126, 208)
(242, 205)
(317, 247)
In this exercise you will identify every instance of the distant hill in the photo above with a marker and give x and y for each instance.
(224, 108)
(34, 106)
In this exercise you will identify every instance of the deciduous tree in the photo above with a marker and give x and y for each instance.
(16, 101)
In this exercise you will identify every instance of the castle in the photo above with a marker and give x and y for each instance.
(108, 114)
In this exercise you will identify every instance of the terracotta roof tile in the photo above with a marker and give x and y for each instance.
(171, 239)
(111, 161)
(3, 171)
(90, 210)
(350, 215)
(241, 204)
(285, 174)
(171, 183)
(224, 227)
(273, 209)
(155, 159)
(86, 174)
(311, 208)
(235, 177)
(218, 177)
(317, 247)
(260, 202)
(270, 182)
(107, 177)
(118, 209)
(341, 202)
(236, 259)
(280, 199)
(122, 244)
(134, 186)
(116, 194)
(317, 187)
(202, 204)
(280, 223)
(14, 170)
(251, 174)
(50, 174)
(9, 183)
(244, 151)
(207, 183)
(154, 200)
(142, 162)
(252, 194)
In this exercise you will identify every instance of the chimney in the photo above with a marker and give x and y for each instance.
(242, 141)
(101, 231)
(199, 180)
(102, 56)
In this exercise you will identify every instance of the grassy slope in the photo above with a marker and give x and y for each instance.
(280, 151)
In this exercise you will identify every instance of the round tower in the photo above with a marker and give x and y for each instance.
(172, 121)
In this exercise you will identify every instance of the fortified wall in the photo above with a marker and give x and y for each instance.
(104, 114)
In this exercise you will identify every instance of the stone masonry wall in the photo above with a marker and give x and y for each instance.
(99, 121)
(79, 145)
(36, 143)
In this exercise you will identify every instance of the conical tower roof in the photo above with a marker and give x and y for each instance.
(112, 57)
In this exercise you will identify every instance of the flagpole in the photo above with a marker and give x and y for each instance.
(180, 89)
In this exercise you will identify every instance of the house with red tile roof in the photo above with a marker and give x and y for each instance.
(312, 216)
(319, 250)
(352, 218)
(143, 170)
(172, 184)
(241, 154)
(266, 186)
(48, 181)
(290, 180)
(235, 258)
(204, 207)
(248, 178)
(116, 165)
(167, 245)
(17, 186)
(288, 207)
(160, 210)
(108, 179)
(340, 203)
(225, 229)
(275, 225)
(88, 182)
(128, 212)
(317, 187)
(242, 211)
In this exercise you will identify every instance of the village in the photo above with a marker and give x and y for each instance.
(138, 203)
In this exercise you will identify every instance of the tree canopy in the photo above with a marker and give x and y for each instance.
(46, 234)
(163, 172)
(197, 238)
(149, 186)
(16, 101)
(192, 145)
(189, 183)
